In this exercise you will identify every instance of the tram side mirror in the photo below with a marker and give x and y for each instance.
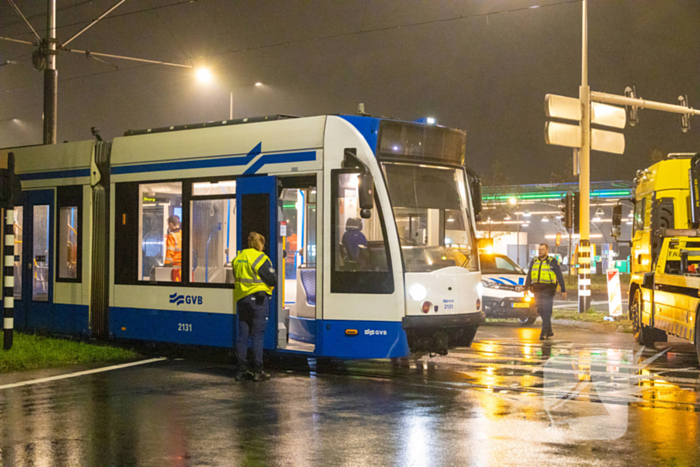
(366, 194)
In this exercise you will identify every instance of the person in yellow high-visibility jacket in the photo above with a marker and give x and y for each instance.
(254, 279)
(543, 275)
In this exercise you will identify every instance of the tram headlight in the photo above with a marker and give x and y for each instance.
(417, 292)
(480, 290)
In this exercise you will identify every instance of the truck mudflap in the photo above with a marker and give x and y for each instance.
(438, 334)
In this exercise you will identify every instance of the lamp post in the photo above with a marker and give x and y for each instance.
(230, 112)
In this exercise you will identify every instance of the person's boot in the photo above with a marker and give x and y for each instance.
(543, 335)
(261, 376)
(241, 374)
(550, 333)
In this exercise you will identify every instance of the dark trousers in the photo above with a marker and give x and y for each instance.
(544, 303)
(253, 312)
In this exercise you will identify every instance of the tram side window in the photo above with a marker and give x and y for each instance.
(70, 203)
(361, 246)
(360, 260)
(18, 229)
(213, 240)
(68, 243)
(160, 234)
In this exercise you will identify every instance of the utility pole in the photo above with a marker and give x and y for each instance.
(44, 59)
(584, 178)
(50, 76)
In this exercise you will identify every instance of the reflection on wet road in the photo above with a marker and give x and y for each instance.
(508, 400)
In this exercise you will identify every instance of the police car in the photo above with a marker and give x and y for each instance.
(504, 289)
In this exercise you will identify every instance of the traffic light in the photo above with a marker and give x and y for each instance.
(685, 118)
(10, 185)
(567, 211)
(632, 112)
(575, 202)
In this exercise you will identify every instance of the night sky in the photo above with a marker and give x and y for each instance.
(485, 73)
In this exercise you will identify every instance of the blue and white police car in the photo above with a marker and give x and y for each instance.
(504, 288)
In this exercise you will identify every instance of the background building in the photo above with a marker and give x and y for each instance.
(519, 217)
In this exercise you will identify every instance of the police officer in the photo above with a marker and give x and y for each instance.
(254, 279)
(542, 279)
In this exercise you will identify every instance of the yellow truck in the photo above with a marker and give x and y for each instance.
(665, 251)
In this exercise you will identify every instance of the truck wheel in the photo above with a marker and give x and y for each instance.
(643, 335)
(527, 321)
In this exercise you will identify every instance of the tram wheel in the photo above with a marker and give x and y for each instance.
(527, 321)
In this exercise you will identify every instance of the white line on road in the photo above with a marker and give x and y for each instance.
(81, 373)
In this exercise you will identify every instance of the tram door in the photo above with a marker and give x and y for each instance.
(297, 264)
(34, 263)
(256, 211)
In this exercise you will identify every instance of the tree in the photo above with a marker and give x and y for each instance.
(565, 176)
(656, 156)
(496, 176)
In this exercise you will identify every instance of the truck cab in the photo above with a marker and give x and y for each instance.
(665, 222)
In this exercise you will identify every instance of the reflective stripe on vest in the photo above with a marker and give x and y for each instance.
(245, 272)
(542, 272)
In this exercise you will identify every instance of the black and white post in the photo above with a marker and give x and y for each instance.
(9, 281)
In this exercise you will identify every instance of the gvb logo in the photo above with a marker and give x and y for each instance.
(178, 299)
(375, 332)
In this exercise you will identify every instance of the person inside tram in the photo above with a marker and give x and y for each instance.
(173, 248)
(353, 239)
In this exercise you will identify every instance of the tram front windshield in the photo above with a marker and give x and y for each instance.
(430, 208)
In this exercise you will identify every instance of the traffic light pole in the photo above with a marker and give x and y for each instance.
(8, 323)
(584, 180)
(50, 77)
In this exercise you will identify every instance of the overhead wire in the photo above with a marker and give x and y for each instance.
(327, 37)
(113, 16)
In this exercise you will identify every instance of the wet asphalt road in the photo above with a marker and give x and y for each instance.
(508, 400)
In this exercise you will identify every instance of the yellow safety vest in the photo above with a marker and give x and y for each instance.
(542, 273)
(245, 272)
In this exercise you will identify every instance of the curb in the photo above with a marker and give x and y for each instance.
(611, 328)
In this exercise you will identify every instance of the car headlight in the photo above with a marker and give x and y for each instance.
(519, 288)
(490, 285)
(417, 292)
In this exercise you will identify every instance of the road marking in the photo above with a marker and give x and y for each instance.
(81, 373)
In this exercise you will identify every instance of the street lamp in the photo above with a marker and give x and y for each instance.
(203, 75)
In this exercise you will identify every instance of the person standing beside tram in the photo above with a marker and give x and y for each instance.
(542, 278)
(254, 279)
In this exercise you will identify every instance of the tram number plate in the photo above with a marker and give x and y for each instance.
(521, 305)
(185, 327)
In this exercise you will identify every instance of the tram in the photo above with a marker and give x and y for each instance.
(369, 222)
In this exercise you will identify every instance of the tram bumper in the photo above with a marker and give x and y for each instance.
(438, 334)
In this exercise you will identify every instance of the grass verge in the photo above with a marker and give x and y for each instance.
(31, 352)
(592, 316)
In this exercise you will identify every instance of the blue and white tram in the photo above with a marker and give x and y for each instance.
(369, 221)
